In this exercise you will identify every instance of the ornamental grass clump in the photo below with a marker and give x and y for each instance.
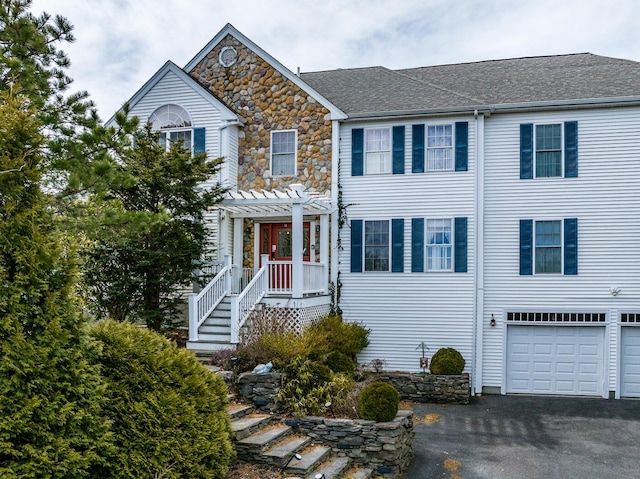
(447, 361)
(379, 401)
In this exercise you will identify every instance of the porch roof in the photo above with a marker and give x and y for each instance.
(254, 204)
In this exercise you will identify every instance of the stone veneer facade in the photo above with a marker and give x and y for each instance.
(268, 102)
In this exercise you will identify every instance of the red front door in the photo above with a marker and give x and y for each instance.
(276, 241)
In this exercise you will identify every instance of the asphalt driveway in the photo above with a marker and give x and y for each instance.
(524, 437)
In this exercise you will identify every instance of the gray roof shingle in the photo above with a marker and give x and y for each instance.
(377, 90)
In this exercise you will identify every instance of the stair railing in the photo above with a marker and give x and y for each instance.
(245, 302)
(201, 305)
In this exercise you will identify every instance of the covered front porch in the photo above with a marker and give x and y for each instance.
(284, 268)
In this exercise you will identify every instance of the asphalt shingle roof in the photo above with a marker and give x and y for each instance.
(367, 91)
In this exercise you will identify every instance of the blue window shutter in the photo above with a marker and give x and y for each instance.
(417, 245)
(417, 149)
(357, 152)
(397, 245)
(462, 145)
(199, 140)
(571, 246)
(398, 150)
(571, 149)
(526, 247)
(526, 151)
(356, 246)
(460, 245)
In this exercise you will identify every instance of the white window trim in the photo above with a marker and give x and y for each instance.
(168, 141)
(295, 156)
(364, 245)
(390, 150)
(426, 147)
(426, 246)
(561, 221)
(535, 150)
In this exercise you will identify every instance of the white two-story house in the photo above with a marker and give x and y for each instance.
(493, 207)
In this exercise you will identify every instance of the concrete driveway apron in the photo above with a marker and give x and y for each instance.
(521, 437)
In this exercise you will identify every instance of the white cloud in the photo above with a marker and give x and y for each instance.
(121, 43)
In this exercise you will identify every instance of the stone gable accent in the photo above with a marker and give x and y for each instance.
(268, 101)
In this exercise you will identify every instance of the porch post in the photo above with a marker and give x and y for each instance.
(324, 249)
(297, 235)
(238, 239)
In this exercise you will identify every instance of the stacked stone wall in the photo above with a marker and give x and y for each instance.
(268, 101)
(430, 388)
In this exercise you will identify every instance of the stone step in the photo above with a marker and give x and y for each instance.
(331, 469)
(247, 425)
(359, 473)
(312, 456)
(261, 440)
(237, 411)
(283, 451)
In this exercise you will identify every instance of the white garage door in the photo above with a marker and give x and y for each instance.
(630, 362)
(555, 360)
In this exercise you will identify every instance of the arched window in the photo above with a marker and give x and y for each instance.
(174, 124)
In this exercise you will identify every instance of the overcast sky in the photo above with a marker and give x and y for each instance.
(120, 44)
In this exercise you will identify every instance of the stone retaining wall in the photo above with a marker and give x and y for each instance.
(430, 388)
(387, 447)
(261, 390)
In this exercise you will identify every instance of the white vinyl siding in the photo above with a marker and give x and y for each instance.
(604, 198)
(403, 309)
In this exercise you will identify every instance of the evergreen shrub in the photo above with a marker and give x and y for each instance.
(339, 362)
(167, 410)
(331, 333)
(378, 402)
(447, 361)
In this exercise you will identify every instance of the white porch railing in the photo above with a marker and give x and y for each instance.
(203, 304)
(245, 302)
(247, 287)
(314, 278)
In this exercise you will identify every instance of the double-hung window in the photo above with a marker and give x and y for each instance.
(439, 245)
(174, 126)
(376, 245)
(439, 148)
(549, 246)
(377, 150)
(283, 152)
(548, 150)
(548, 251)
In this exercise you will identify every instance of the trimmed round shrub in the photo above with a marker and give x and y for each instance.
(340, 363)
(447, 361)
(378, 402)
(167, 411)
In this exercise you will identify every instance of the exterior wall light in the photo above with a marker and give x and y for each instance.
(493, 321)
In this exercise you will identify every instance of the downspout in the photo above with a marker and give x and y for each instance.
(478, 332)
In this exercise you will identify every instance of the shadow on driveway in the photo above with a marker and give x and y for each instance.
(521, 437)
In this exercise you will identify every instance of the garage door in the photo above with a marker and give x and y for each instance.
(630, 362)
(555, 360)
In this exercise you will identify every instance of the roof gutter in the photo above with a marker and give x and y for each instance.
(488, 110)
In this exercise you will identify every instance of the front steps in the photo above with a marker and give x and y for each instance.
(214, 333)
(261, 440)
